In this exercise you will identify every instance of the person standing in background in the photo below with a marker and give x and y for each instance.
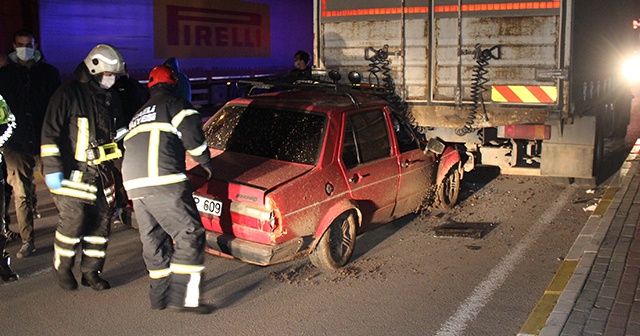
(184, 85)
(27, 84)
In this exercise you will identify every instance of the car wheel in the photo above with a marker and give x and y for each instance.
(337, 243)
(449, 189)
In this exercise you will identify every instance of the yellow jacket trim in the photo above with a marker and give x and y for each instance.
(49, 150)
(154, 181)
(198, 150)
(95, 239)
(64, 252)
(74, 193)
(79, 186)
(76, 176)
(154, 153)
(94, 253)
(186, 269)
(65, 239)
(177, 120)
(163, 127)
(159, 274)
(82, 140)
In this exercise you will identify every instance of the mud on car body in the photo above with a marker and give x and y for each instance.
(301, 172)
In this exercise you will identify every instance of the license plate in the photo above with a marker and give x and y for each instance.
(208, 205)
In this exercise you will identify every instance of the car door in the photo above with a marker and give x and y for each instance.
(370, 166)
(417, 169)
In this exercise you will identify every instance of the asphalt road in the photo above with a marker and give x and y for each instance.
(403, 280)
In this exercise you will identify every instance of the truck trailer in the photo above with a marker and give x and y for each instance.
(532, 87)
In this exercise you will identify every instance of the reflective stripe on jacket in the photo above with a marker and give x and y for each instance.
(160, 133)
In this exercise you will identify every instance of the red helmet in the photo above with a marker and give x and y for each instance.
(162, 74)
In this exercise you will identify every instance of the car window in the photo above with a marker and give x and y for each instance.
(294, 136)
(407, 139)
(366, 138)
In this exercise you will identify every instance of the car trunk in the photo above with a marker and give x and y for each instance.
(242, 183)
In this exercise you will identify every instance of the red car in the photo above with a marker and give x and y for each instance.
(303, 171)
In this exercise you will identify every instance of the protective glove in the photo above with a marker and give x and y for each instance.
(208, 168)
(54, 180)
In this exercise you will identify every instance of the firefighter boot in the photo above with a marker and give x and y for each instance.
(6, 273)
(65, 279)
(94, 280)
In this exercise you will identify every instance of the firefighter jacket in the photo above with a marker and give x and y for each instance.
(159, 134)
(81, 116)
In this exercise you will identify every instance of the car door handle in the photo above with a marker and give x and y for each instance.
(357, 177)
(408, 162)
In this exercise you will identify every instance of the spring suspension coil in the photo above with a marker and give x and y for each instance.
(478, 88)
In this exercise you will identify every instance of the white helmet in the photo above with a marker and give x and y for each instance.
(104, 58)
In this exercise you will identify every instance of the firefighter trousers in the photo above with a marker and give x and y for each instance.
(173, 241)
(85, 225)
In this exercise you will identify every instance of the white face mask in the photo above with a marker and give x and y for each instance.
(25, 54)
(107, 81)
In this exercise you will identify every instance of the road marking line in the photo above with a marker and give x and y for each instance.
(471, 307)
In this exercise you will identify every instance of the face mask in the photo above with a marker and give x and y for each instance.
(107, 81)
(25, 54)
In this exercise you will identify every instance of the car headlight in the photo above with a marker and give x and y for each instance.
(631, 69)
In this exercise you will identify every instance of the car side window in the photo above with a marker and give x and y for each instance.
(366, 138)
(407, 140)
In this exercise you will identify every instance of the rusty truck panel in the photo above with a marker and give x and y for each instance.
(426, 66)
(469, 69)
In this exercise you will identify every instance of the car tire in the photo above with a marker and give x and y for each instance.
(336, 246)
(449, 190)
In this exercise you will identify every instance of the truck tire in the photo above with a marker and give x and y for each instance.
(449, 190)
(336, 246)
(598, 148)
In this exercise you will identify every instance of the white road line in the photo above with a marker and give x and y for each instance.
(469, 309)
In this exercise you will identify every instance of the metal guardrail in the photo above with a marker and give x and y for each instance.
(214, 91)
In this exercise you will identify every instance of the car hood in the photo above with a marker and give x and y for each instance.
(248, 170)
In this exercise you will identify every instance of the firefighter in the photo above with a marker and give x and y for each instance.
(7, 124)
(77, 151)
(153, 170)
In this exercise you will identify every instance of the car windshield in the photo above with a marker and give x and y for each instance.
(294, 136)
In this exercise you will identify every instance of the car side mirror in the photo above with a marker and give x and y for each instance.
(435, 146)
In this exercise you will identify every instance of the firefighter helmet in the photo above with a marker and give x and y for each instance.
(104, 58)
(162, 74)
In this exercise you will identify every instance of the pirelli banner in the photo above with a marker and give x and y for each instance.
(211, 29)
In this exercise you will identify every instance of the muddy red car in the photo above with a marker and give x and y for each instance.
(301, 172)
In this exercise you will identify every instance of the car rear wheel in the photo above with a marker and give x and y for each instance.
(337, 243)
(449, 189)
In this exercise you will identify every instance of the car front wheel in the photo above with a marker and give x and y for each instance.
(449, 190)
(337, 243)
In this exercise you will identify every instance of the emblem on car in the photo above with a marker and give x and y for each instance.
(328, 188)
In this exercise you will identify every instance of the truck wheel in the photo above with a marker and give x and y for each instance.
(449, 190)
(337, 243)
(598, 150)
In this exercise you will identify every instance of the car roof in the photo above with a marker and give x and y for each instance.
(327, 101)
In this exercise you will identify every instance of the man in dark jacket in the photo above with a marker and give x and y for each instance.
(153, 168)
(27, 84)
(77, 151)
